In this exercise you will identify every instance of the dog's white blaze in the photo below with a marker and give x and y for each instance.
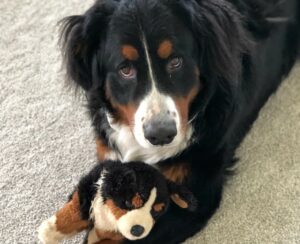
(141, 216)
(149, 62)
(155, 99)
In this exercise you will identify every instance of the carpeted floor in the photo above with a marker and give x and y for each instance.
(46, 141)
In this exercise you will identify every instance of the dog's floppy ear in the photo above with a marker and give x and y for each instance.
(182, 197)
(218, 31)
(81, 40)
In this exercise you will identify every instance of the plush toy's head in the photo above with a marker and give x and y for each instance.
(136, 195)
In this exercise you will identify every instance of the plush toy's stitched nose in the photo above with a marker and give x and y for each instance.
(137, 230)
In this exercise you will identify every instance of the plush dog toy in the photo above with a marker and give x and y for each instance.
(116, 201)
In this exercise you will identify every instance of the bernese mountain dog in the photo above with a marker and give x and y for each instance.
(177, 84)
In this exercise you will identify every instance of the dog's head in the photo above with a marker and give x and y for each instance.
(154, 65)
(136, 195)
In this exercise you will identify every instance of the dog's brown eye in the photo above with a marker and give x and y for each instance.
(128, 72)
(174, 64)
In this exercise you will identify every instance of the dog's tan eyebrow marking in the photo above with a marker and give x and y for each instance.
(130, 52)
(165, 49)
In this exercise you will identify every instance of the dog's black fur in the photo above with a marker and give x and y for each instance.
(243, 50)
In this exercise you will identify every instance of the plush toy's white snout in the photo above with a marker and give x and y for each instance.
(137, 223)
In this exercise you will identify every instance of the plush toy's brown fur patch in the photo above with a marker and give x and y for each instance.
(68, 218)
(158, 207)
(137, 201)
(116, 211)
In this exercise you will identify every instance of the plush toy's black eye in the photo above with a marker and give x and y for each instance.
(128, 204)
(143, 196)
(174, 64)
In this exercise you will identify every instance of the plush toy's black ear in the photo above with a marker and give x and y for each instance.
(218, 31)
(182, 197)
(121, 178)
(128, 178)
(82, 37)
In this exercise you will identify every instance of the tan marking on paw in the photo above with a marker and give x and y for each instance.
(179, 201)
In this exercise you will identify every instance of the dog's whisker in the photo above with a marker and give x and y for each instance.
(192, 119)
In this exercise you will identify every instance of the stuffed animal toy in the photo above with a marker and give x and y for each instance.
(116, 201)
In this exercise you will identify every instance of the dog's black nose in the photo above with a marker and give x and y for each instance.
(160, 130)
(137, 230)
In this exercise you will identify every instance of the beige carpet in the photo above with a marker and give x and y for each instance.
(46, 141)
